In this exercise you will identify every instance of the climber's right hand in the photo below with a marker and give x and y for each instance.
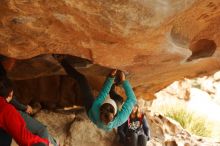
(113, 73)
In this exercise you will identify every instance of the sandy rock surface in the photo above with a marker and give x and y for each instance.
(77, 130)
(155, 41)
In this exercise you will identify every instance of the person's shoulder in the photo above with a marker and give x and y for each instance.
(8, 108)
(93, 114)
(95, 107)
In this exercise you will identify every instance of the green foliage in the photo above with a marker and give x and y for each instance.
(195, 124)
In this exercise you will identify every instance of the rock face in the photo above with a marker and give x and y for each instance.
(156, 41)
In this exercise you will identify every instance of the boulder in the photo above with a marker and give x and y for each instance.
(156, 42)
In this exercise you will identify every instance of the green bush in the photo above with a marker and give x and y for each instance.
(195, 124)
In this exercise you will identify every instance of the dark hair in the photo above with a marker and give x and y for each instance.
(5, 87)
(138, 113)
(107, 112)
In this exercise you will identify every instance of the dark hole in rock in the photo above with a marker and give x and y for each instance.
(42, 79)
(51, 91)
(43, 65)
(201, 49)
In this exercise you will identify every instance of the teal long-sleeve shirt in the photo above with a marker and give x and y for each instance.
(122, 115)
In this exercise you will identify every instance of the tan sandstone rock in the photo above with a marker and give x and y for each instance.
(157, 42)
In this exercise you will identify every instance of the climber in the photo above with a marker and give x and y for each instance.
(135, 131)
(11, 122)
(102, 111)
(32, 124)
